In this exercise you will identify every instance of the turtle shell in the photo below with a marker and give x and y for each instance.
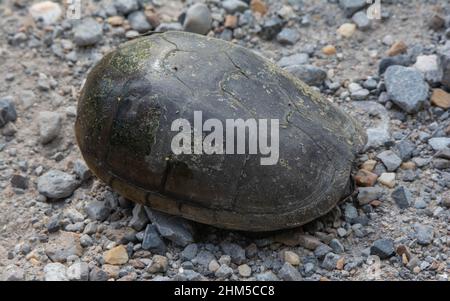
(132, 96)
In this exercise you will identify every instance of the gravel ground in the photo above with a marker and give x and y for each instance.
(58, 222)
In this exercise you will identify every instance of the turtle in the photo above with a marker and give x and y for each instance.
(134, 93)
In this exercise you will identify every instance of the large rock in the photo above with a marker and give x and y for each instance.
(439, 143)
(310, 74)
(49, 126)
(361, 20)
(369, 194)
(428, 65)
(390, 160)
(125, 7)
(7, 110)
(56, 184)
(352, 6)
(295, 59)
(97, 210)
(235, 251)
(444, 59)
(152, 241)
(406, 88)
(55, 272)
(78, 271)
(116, 256)
(62, 245)
(234, 6)
(174, 228)
(383, 248)
(289, 273)
(88, 32)
(402, 197)
(424, 234)
(139, 219)
(47, 11)
(138, 21)
(198, 19)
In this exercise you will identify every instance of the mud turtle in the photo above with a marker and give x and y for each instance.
(132, 96)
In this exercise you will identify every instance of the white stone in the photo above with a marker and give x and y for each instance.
(49, 12)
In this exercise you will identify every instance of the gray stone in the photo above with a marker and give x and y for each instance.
(224, 271)
(56, 184)
(81, 170)
(189, 275)
(139, 219)
(400, 60)
(234, 6)
(97, 210)
(55, 272)
(152, 241)
(86, 241)
(19, 181)
(78, 271)
(409, 176)
(405, 149)
(383, 248)
(138, 21)
(189, 252)
(172, 26)
(63, 245)
(368, 194)
(360, 94)
(361, 20)
(439, 143)
(236, 252)
(420, 204)
(198, 19)
(377, 137)
(443, 154)
(428, 65)
(421, 162)
(370, 84)
(266, 276)
(322, 250)
(310, 74)
(49, 126)
(271, 27)
(174, 228)
(88, 32)
(13, 273)
(352, 6)
(295, 59)
(424, 234)
(90, 228)
(330, 261)
(350, 213)
(7, 110)
(125, 7)
(289, 273)
(390, 160)
(402, 197)
(337, 246)
(203, 258)
(97, 274)
(288, 36)
(444, 59)
(406, 88)
(441, 164)
(54, 223)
